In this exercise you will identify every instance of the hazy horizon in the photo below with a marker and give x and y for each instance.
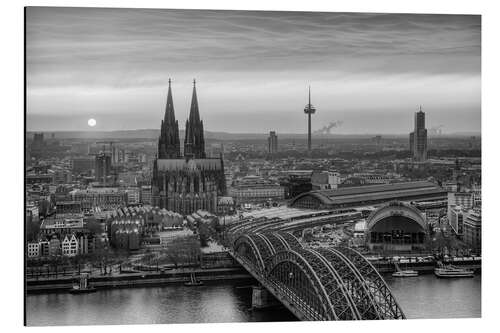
(224, 135)
(252, 69)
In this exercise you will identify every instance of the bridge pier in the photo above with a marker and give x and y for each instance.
(261, 298)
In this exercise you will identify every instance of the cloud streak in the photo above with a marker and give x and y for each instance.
(119, 60)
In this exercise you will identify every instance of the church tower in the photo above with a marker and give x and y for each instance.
(168, 144)
(194, 142)
(185, 184)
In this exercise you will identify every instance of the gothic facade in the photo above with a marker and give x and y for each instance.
(184, 184)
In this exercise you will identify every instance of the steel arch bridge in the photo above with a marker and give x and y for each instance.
(316, 284)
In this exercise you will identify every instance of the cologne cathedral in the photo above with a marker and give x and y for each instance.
(184, 184)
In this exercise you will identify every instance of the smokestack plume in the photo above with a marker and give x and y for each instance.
(328, 128)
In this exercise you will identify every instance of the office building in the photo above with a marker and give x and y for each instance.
(115, 159)
(418, 138)
(145, 194)
(226, 206)
(39, 178)
(99, 197)
(459, 201)
(133, 195)
(472, 229)
(68, 207)
(254, 189)
(463, 199)
(102, 168)
(325, 180)
(62, 225)
(38, 146)
(456, 218)
(32, 212)
(272, 143)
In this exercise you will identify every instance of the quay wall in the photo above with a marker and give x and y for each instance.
(178, 276)
(389, 267)
(137, 279)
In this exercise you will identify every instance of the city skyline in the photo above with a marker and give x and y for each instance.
(362, 68)
(207, 166)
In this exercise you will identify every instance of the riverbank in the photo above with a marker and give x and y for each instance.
(138, 279)
(420, 297)
(181, 275)
(424, 267)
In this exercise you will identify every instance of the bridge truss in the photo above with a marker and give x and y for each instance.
(316, 284)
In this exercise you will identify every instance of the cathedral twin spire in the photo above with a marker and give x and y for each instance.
(168, 144)
(194, 142)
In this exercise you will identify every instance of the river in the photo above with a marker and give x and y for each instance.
(420, 297)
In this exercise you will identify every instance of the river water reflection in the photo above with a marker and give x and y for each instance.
(421, 297)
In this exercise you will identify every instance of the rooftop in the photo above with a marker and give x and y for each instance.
(374, 192)
(97, 190)
(283, 212)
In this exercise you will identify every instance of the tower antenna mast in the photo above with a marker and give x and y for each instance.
(309, 110)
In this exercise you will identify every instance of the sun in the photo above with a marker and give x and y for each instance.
(92, 122)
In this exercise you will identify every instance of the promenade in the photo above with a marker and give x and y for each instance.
(137, 279)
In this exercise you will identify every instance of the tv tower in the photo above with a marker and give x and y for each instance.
(309, 110)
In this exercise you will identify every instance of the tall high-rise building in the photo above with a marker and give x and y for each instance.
(418, 138)
(272, 143)
(38, 146)
(309, 110)
(114, 155)
(102, 167)
(185, 184)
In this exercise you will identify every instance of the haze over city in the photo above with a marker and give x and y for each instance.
(252, 69)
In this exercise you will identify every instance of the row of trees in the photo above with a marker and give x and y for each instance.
(178, 252)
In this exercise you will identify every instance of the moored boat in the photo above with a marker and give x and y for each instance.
(193, 282)
(78, 290)
(403, 272)
(406, 273)
(451, 271)
(83, 287)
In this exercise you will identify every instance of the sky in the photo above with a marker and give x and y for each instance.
(370, 72)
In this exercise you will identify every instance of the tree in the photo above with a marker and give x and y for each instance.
(204, 234)
(182, 250)
(216, 226)
(431, 230)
